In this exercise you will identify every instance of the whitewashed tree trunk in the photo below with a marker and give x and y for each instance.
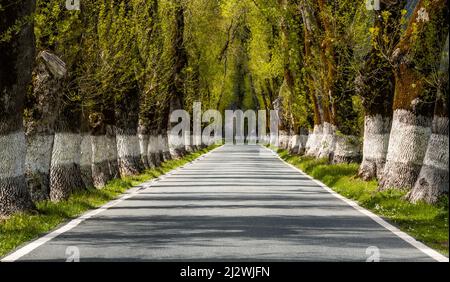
(113, 162)
(407, 146)
(163, 140)
(14, 196)
(37, 165)
(143, 148)
(375, 146)
(312, 145)
(189, 148)
(284, 139)
(153, 149)
(302, 142)
(143, 137)
(86, 160)
(100, 160)
(347, 149)
(16, 57)
(433, 180)
(294, 144)
(128, 153)
(43, 108)
(328, 142)
(65, 173)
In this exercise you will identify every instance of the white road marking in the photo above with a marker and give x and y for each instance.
(402, 235)
(75, 222)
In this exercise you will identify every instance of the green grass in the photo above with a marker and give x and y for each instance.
(24, 227)
(427, 223)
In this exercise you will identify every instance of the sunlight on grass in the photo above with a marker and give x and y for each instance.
(427, 223)
(21, 228)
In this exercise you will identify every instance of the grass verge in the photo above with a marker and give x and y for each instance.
(426, 223)
(24, 227)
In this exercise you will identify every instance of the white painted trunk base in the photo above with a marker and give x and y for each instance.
(375, 146)
(407, 147)
(65, 173)
(153, 150)
(312, 145)
(86, 160)
(166, 148)
(112, 158)
(100, 161)
(433, 180)
(13, 150)
(302, 144)
(143, 149)
(128, 154)
(175, 144)
(14, 195)
(347, 149)
(294, 144)
(284, 139)
(328, 142)
(37, 165)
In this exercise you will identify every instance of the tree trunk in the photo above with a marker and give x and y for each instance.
(347, 149)
(314, 138)
(101, 156)
(43, 108)
(433, 177)
(164, 145)
(143, 137)
(65, 172)
(127, 118)
(294, 144)
(17, 57)
(375, 86)
(153, 148)
(113, 158)
(328, 143)
(86, 152)
(376, 140)
(415, 61)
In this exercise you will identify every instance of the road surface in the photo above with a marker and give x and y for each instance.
(237, 203)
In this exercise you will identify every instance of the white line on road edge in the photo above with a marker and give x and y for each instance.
(75, 222)
(402, 235)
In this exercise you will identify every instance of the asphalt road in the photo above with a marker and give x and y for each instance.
(238, 203)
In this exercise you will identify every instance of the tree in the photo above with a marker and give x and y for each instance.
(375, 86)
(432, 182)
(415, 63)
(65, 170)
(17, 49)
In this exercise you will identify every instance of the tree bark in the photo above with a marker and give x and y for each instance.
(375, 146)
(42, 107)
(86, 152)
(152, 149)
(127, 118)
(101, 156)
(432, 182)
(65, 171)
(143, 137)
(375, 86)
(415, 61)
(113, 158)
(16, 55)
